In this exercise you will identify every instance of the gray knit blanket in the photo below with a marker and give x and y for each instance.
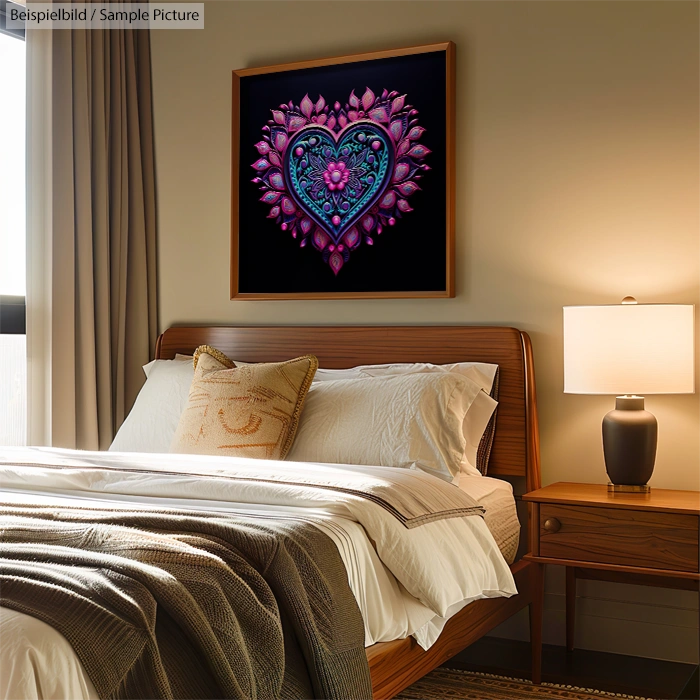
(182, 604)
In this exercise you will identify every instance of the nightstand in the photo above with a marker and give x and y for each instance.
(647, 539)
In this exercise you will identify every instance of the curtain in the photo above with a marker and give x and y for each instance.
(92, 225)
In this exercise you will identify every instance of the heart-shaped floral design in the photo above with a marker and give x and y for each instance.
(337, 175)
(337, 178)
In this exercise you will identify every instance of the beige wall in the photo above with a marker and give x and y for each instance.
(577, 183)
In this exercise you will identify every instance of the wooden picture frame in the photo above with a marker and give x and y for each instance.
(329, 178)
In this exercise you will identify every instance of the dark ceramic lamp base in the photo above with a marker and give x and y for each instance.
(629, 445)
(628, 488)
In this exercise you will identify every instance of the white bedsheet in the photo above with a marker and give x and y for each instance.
(36, 661)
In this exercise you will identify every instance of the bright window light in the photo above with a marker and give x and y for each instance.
(13, 389)
(13, 278)
(12, 166)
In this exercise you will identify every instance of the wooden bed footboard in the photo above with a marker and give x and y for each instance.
(395, 665)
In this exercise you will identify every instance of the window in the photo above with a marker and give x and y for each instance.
(13, 361)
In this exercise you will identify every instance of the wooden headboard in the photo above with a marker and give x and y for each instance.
(516, 444)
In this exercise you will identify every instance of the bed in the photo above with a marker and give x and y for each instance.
(395, 665)
(515, 455)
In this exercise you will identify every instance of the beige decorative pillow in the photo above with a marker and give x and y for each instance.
(247, 411)
(216, 354)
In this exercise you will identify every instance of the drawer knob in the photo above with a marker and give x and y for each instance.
(552, 525)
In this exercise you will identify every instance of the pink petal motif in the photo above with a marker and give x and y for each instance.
(397, 104)
(379, 115)
(396, 130)
(288, 206)
(402, 150)
(295, 123)
(396, 116)
(306, 106)
(306, 224)
(320, 239)
(389, 200)
(270, 197)
(367, 99)
(419, 151)
(335, 261)
(401, 172)
(277, 181)
(280, 141)
(415, 133)
(352, 238)
(408, 188)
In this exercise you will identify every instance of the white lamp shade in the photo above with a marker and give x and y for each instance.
(629, 349)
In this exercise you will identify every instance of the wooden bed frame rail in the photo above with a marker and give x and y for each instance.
(515, 454)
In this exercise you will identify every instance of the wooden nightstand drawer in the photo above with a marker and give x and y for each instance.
(615, 536)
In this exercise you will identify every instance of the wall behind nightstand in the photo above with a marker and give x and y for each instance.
(577, 183)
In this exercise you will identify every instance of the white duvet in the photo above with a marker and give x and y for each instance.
(409, 583)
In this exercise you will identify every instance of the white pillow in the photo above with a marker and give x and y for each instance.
(404, 420)
(151, 423)
(475, 423)
(483, 373)
(478, 415)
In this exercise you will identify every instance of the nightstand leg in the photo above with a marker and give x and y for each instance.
(570, 607)
(536, 614)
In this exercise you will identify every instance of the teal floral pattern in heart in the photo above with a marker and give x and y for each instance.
(336, 179)
(337, 176)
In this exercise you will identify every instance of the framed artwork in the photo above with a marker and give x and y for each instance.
(343, 177)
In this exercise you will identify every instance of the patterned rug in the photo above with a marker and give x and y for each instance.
(453, 684)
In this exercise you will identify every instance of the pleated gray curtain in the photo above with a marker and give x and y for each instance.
(104, 230)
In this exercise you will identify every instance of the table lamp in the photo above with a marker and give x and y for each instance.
(629, 350)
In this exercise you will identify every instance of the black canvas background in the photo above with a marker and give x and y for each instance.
(409, 256)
